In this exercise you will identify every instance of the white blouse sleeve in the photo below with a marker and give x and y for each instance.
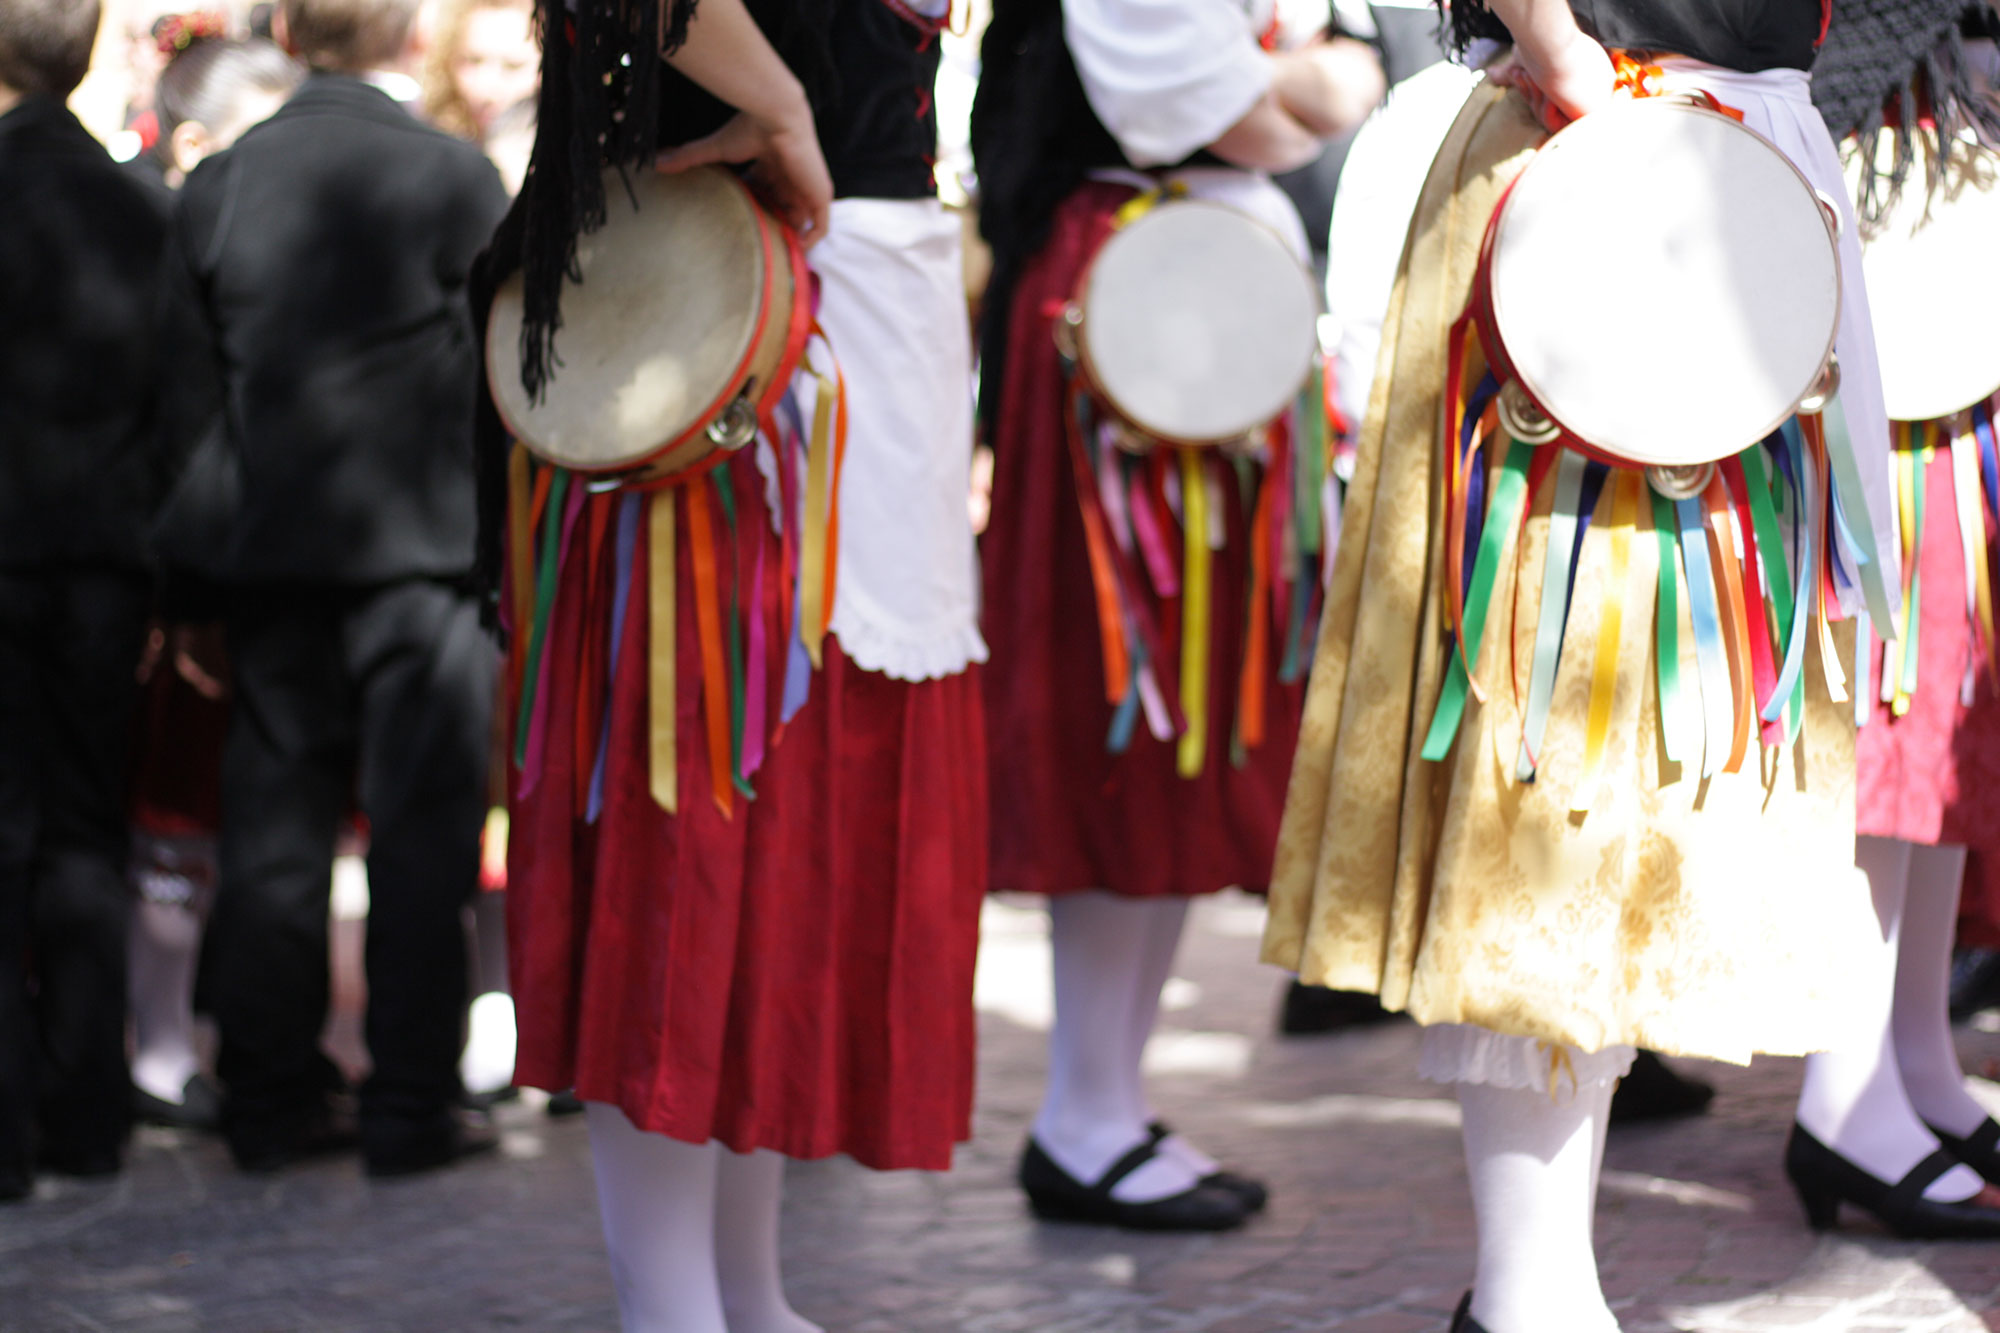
(1167, 77)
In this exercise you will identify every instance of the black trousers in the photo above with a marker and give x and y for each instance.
(393, 686)
(69, 651)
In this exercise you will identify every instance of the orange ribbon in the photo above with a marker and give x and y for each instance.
(708, 623)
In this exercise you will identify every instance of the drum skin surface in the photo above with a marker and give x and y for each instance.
(659, 333)
(1199, 323)
(1665, 282)
(1934, 290)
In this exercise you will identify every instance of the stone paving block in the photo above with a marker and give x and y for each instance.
(1370, 1228)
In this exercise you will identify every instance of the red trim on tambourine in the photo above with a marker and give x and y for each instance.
(737, 378)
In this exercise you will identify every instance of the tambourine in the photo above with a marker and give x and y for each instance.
(1934, 288)
(691, 305)
(1659, 287)
(1195, 324)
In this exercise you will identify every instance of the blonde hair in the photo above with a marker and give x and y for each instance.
(444, 107)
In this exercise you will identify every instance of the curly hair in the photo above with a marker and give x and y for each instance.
(444, 106)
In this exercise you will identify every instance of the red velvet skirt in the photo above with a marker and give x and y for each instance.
(1932, 776)
(797, 976)
(1067, 813)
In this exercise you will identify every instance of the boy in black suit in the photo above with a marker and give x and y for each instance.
(80, 267)
(329, 249)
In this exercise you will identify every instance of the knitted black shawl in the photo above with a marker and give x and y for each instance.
(1908, 55)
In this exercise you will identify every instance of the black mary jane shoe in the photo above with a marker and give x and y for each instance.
(200, 1106)
(1461, 1318)
(1979, 1150)
(1057, 1196)
(1247, 1188)
(1825, 1180)
(1654, 1090)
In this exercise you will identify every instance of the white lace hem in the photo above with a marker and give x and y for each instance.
(901, 655)
(1463, 1053)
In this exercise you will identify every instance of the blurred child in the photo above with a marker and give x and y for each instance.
(80, 269)
(211, 91)
(341, 324)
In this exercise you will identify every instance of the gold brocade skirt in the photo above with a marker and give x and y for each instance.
(1718, 917)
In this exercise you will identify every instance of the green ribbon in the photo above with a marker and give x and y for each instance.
(1777, 577)
(1667, 632)
(545, 598)
(725, 491)
(1502, 513)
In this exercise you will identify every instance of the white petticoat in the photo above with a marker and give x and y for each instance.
(1462, 1053)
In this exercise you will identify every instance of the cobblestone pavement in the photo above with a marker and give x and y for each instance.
(1369, 1230)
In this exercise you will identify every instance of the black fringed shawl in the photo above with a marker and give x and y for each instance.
(1908, 55)
(599, 107)
(1034, 140)
(1747, 35)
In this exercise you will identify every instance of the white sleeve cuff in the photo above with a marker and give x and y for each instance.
(1167, 77)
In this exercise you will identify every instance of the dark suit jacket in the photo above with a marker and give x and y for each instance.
(80, 268)
(329, 250)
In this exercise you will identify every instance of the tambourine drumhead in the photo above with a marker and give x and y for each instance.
(1199, 323)
(660, 333)
(1664, 282)
(1934, 292)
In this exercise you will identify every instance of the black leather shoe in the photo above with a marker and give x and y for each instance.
(200, 1106)
(85, 1163)
(409, 1150)
(1653, 1090)
(1057, 1196)
(1250, 1190)
(1825, 1180)
(1312, 1010)
(1979, 1150)
(319, 1130)
(1975, 982)
(564, 1103)
(1461, 1318)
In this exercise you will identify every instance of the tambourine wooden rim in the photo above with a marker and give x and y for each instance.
(759, 357)
(1530, 399)
(1072, 330)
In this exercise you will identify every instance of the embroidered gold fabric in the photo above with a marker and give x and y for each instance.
(1715, 918)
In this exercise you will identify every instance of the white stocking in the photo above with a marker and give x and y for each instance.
(163, 944)
(1163, 942)
(1852, 1099)
(658, 1201)
(1922, 1024)
(1094, 1111)
(1533, 1160)
(748, 1189)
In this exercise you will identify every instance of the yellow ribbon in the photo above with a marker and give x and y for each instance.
(1193, 747)
(1909, 475)
(1610, 634)
(1560, 1064)
(1145, 201)
(1972, 536)
(813, 554)
(660, 612)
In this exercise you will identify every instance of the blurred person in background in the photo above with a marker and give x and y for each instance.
(80, 267)
(340, 321)
(482, 62)
(210, 92)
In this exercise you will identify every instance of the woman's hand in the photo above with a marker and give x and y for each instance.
(788, 167)
(1562, 79)
(728, 55)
